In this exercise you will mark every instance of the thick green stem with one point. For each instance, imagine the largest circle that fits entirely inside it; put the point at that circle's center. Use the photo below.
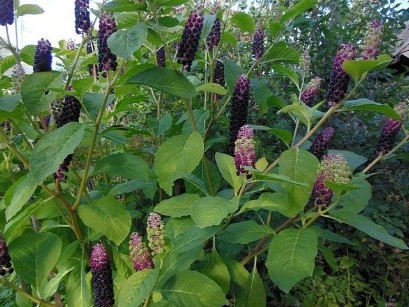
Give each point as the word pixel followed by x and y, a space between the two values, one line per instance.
pixel 188 106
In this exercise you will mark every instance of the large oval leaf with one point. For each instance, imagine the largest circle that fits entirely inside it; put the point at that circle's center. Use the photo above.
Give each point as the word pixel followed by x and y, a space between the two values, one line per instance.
pixel 124 43
pixel 209 210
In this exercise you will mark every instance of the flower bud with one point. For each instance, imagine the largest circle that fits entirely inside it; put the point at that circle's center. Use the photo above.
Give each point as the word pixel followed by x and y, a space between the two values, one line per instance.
pixel 140 255
pixel 321 143
pixel 102 282
pixel 6 12
pixel 82 21
pixel 244 151
pixel 42 56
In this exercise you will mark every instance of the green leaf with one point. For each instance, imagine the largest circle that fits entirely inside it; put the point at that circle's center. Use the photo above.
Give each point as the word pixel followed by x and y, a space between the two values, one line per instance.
pixel 177 206
pixel 166 80
pixel 259 176
pixel 357 68
pixel 253 293
pixel 227 168
pixel 331 236
pixel 270 201
pixel 19 194
pixel 244 232
pixel 238 274
pixel 28 9
pixel 217 270
pixel 291 257
pixel 275 28
pixel 207 25
pixel 92 103
pixel 123 165
pixel 192 238
pixel 300 166
pixel 122 6
pixel 297 9
pixel 108 217
pixel 288 72
pixel 137 288
pixel 53 283
pixel 231 72
pixel 133 185
pixel 367 105
pixel 280 52
pixel 210 210
pixel 212 88
pixel 356 200
pixel 244 22
pixel 228 39
pixel 168 22
pixel 9 102
pixel 177 157
pixel 35 91
pixel 262 92
pixel 78 292
pixel 365 225
pixel 53 147
pixel 191 288
pixel 124 43
pixel 6 63
pixel 35 255
pixel 284 135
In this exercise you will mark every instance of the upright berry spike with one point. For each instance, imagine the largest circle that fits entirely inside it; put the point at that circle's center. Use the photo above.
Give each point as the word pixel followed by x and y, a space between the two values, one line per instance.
pixel 372 41
pixel 5 259
pixel 257 49
pixel 390 130
pixel 213 39
pixel 319 146
pixel 106 59
pixel 218 76
pixel 102 282
pixel 190 39
pixel 305 63
pixel 42 56
pixel 244 150
pixel 238 110
pixel 161 57
pixel 140 255
pixel 338 84
pixel 309 94
pixel 156 233
pixel 17 77
pixel 82 21
pixel 6 12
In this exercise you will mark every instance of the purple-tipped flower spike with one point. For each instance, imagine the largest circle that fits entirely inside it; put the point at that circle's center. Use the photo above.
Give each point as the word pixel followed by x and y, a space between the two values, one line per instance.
pixel 42 57
pixel 213 39
pixel 257 49
pixel 309 94
pixel 156 233
pixel 6 12
pixel 140 255
pixel 238 110
pixel 244 151
pixel 372 41
pixel 5 260
pixel 190 39
pixel 321 143
pixel 332 168
pixel 82 21
pixel 102 282
pixel 390 130
pixel 338 84
pixel 106 59
pixel 161 57
pixel 17 77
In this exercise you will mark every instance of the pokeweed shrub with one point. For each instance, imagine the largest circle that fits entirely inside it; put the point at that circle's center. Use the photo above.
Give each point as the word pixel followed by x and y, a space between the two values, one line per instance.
pixel 201 156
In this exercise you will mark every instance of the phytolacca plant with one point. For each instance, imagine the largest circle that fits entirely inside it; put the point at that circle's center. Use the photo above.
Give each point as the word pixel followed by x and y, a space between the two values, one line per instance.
pixel 82 21
pixel 43 57
pixel 102 282
pixel 106 59
pixel 6 12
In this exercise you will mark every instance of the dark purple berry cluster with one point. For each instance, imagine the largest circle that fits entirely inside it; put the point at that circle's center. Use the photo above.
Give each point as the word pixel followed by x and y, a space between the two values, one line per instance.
pixel 257 49
pixel 102 282
pixel 82 21
pixel 66 110
pixel 309 94
pixel 213 39
pixel 218 76
pixel 338 84
pixel 5 260
pixel 106 59
pixel 6 12
pixel 390 130
pixel 42 56
pixel 238 110
pixel 319 146
pixel 161 57
pixel 190 39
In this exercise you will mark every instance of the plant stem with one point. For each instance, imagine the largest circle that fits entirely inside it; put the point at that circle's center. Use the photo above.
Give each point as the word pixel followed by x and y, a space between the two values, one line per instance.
pixel 13 148
pixel 188 106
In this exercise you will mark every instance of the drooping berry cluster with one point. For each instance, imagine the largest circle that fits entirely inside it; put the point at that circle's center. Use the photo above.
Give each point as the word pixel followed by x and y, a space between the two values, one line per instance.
pixel 140 255
pixel 338 84
pixel 390 130
pixel 238 110
pixel 161 57
pixel 6 12
pixel 106 59
pixel 17 77
pixel 42 56
pixel 63 168
pixel 321 143
pixel 156 233
pixel 244 151
pixel 190 39
pixel 372 41
pixel 82 21
pixel 332 168
pixel 5 259
pixel 213 39
pixel 102 282
pixel 257 49
pixel 309 94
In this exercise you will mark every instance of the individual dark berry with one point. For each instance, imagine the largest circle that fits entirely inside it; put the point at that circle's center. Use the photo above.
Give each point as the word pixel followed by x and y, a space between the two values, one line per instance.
pixel 238 110
pixel 309 94
pixel 390 130
pixel 257 49
pixel 161 57
pixel 6 12
pixel 102 282
pixel 213 39
pixel 319 146
pixel 5 259
pixel 190 39
pixel 244 150
pixel 140 255
pixel 338 84
pixel 106 59
pixel 82 21
pixel 42 56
